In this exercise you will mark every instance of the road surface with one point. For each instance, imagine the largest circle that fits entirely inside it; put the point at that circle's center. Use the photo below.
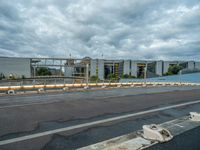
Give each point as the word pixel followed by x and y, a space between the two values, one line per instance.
pixel 71 120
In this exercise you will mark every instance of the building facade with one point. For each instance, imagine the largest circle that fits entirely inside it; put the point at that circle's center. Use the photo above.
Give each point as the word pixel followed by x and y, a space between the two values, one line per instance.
pixel 16 67
pixel 100 68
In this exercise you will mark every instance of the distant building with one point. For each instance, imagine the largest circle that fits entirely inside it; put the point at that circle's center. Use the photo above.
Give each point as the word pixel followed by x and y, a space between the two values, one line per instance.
pixel 100 68
pixel 17 67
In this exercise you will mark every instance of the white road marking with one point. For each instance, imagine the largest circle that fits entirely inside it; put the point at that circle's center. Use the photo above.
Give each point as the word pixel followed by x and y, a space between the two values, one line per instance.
pixel 46 97
pixel 45 133
pixel 178 125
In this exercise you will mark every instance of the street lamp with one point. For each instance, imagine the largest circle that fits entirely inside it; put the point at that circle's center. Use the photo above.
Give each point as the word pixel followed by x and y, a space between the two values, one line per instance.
pixel 145 73
pixel 87 74
pixel 180 73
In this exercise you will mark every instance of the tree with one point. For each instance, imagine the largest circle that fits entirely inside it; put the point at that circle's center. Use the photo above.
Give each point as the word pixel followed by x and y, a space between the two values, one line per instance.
pixel 23 77
pixel 172 70
pixel 2 76
pixel 43 72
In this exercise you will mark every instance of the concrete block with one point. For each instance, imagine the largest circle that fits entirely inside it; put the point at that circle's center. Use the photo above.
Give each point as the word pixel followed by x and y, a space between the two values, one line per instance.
pixel 10 92
pixel 157 133
pixel 194 116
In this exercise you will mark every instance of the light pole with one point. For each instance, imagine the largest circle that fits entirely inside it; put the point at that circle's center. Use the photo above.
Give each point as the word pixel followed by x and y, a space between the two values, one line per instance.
pixel 34 71
pixel 180 73
pixel 145 74
pixel 87 74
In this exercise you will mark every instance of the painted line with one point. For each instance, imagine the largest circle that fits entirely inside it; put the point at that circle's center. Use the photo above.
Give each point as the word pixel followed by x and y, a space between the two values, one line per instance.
pixel 50 132
pixel 46 97
pixel 178 125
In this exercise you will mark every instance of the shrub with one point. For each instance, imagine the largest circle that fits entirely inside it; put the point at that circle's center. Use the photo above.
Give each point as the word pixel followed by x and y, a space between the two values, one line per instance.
pixel 43 72
pixel 94 78
pixel 2 76
pixel 172 70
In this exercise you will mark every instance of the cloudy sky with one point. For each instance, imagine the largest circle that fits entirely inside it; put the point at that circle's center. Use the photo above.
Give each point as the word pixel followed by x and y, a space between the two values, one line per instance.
pixel 123 29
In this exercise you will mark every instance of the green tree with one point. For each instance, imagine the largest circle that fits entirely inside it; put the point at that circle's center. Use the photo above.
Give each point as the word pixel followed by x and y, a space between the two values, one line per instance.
pixel 172 70
pixel 43 72
pixel 2 76
pixel 23 77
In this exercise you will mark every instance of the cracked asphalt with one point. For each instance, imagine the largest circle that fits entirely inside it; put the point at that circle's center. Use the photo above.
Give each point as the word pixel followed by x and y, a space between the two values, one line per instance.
pixel 22 115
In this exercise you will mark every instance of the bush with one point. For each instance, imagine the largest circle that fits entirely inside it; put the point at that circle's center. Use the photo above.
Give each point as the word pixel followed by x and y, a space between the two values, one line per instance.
pixel 173 70
pixel 131 77
pixel 23 77
pixel 112 77
pixel 2 76
pixel 126 76
pixel 94 78
pixel 43 72
pixel 12 77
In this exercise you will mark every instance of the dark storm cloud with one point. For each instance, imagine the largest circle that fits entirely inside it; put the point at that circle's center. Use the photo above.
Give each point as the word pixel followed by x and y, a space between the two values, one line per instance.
pixel 130 29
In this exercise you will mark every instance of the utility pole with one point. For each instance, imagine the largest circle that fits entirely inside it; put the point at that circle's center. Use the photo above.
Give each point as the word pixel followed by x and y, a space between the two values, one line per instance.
pixel 87 74
pixel 180 73
pixel 34 71
pixel 145 74
pixel 70 56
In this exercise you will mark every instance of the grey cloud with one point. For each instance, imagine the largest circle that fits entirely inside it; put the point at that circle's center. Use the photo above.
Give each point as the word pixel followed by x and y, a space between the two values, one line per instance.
pixel 129 29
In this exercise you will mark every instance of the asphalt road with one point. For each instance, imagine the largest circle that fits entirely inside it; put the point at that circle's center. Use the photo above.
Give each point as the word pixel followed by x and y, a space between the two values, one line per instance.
pixel 30 115
pixel 186 141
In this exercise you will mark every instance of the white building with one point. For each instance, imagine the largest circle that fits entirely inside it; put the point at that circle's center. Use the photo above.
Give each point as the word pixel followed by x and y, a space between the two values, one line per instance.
pixel 18 67
pixel 97 67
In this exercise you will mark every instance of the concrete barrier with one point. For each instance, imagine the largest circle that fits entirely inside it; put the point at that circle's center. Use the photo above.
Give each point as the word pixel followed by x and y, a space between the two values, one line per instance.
pixel 65 88
pixel 194 116
pixel 86 87
pixel 135 84
pixel 41 90
pixel 10 92
pixel 120 85
pixel 103 87
pixel 149 136
pixel 157 133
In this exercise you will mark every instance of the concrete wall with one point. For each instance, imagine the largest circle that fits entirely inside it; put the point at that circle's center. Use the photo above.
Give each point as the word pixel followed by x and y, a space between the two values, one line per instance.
pixel 191 65
pixel 15 66
pixel 126 69
pixel 165 66
pixel 134 68
pixel 101 69
pixel 159 68
pixel 69 71
pixel 93 67
pixel 197 65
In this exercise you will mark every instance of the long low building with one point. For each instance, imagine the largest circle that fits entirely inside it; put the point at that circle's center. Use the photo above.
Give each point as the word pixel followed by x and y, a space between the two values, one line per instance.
pixel 136 68
pixel 100 68
pixel 17 67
